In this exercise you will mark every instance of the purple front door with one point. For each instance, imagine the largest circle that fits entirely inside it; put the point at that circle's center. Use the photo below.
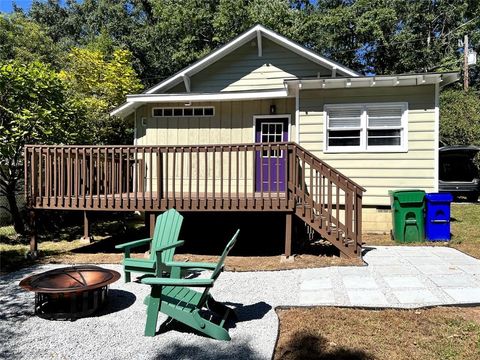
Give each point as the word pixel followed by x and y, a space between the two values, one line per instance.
pixel 270 165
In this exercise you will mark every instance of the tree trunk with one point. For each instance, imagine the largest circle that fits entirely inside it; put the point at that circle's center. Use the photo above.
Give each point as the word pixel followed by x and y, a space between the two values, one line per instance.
pixel 18 223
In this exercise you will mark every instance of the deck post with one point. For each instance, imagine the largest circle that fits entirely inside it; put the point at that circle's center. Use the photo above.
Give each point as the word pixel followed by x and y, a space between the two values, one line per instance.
pixel 33 253
pixel 86 228
pixel 288 234
pixel 150 218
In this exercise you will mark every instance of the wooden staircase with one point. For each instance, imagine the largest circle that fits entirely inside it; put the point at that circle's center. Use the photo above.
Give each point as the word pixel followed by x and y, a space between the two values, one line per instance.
pixel 327 201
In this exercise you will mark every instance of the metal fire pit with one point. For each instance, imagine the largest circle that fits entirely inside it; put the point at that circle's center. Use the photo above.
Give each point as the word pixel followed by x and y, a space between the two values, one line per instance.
pixel 70 293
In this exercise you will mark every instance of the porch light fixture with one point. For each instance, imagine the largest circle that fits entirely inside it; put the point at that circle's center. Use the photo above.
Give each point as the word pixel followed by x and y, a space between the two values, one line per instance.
pixel 144 121
pixel 273 109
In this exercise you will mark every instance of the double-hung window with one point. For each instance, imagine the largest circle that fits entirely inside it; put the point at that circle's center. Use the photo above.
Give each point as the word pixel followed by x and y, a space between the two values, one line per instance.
pixel 380 127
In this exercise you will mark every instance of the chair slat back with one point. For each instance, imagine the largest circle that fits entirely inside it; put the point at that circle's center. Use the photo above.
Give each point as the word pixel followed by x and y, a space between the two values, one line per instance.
pixel 167 230
pixel 221 261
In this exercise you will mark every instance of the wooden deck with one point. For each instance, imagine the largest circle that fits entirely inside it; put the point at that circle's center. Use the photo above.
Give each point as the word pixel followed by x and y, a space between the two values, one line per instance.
pixel 273 177
pixel 150 201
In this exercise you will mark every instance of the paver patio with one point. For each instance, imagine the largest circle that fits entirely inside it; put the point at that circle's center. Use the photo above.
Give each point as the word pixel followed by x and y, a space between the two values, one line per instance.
pixel 396 277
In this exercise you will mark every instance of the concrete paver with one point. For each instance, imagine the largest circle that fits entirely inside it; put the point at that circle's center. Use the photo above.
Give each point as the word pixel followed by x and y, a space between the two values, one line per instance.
pixel 324 297
pixel 415 296
pixel 396 282
pixel 465 295
pixel 403 277
pixel 370 298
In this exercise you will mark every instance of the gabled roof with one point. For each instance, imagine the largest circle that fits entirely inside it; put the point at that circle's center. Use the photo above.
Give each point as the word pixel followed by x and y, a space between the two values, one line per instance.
pixel 241 40
pixel 255 32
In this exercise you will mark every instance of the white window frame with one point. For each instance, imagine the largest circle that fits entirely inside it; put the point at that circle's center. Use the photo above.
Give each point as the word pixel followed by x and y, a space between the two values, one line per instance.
pixel 363 147
pixel 183 114
pixel 273 150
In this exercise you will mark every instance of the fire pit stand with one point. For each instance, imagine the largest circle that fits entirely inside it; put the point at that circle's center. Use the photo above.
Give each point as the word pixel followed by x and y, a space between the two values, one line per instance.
pixel 70 293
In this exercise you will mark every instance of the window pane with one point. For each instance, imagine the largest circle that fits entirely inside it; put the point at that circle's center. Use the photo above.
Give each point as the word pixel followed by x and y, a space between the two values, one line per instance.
pixel 167 112
pixel 177 112
pixel 188 112
pixel 344 117
pixel 208 111
pixel 157 112
pixel 383 117
pixel 198 111
pixel 384 137
pixel 344 138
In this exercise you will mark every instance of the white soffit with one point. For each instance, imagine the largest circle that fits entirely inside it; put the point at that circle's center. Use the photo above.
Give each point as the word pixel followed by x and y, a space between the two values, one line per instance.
pixel 224 96
pixel 375 81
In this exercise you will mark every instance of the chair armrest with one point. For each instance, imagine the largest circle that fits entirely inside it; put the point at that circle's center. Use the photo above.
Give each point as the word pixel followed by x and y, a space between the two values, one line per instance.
pixel 178 282
pixel 132 244
pixel 170 246
pixel 191 265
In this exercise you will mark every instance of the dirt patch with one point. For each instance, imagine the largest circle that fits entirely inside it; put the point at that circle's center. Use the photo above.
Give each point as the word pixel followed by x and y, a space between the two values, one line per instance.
pixel 233 263
pixel 335 333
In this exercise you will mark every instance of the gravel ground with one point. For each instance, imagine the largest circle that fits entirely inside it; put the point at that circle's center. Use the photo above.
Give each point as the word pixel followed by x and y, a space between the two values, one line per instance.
pixel 117 332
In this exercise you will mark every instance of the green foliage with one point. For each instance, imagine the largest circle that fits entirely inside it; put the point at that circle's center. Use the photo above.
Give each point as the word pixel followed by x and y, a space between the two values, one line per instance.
pixel 460 117
pixel 26 41
pixel 34 108
pixel 97 84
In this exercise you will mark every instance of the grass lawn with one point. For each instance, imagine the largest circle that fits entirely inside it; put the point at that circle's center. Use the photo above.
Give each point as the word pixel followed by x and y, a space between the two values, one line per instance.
pixel 332 333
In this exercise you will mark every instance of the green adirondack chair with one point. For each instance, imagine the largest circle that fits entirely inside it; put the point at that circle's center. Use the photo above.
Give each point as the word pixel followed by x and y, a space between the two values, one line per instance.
pixel 163 244
pixel 175 298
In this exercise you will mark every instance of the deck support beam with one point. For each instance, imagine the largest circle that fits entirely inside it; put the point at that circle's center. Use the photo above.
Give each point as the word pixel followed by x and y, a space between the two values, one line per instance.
pixel 150 218
pixel 288 234
pixel 86 228
pixel 33 253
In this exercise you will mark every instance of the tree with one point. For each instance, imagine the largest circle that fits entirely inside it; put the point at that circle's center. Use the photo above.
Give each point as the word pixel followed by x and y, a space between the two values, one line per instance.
pixel 34 108
pixel 460 117
pixel 26 41
pixel 96 84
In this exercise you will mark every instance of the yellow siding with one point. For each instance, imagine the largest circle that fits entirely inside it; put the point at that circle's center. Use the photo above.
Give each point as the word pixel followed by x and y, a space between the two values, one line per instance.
pixel 244 70
pixel 377 172
pixel 232 124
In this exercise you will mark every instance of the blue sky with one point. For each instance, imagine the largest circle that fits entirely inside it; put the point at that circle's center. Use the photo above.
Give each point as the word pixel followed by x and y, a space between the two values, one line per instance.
pixel 7 5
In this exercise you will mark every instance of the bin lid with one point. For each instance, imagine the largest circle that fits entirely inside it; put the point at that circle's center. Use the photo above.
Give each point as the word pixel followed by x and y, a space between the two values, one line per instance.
pixel 409 196
pixel 439 197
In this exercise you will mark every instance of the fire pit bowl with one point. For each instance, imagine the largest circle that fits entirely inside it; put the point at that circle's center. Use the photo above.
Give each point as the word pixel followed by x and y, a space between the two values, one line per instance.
pixel 71 292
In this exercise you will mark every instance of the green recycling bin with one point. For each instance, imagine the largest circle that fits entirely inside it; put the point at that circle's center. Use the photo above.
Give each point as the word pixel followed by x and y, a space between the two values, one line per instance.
pixel 408 223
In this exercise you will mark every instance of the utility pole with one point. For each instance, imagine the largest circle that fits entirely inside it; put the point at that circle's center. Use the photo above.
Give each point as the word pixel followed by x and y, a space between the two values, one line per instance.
pixel 465 63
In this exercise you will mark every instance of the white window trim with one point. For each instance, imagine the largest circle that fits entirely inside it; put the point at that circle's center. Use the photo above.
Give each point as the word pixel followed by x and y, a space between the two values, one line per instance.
pixel 363 148
pixel 279 116
pixel 183 107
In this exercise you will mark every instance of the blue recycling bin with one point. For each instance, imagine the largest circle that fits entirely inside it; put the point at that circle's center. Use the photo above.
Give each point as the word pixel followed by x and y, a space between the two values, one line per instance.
pixel 437 217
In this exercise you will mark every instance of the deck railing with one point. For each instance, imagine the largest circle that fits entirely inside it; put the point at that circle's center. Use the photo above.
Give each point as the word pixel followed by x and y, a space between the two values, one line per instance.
pixel 239 177
pixel 156 177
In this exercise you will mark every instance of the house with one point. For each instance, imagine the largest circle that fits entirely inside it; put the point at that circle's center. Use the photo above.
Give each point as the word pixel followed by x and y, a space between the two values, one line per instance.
pixel 262 124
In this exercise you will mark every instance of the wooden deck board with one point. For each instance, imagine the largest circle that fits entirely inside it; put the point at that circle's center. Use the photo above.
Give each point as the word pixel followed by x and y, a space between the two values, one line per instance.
pixel 135 202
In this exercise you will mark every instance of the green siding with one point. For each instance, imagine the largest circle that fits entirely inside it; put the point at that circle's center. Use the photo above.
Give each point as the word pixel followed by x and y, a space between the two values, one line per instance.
pixel 244 70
